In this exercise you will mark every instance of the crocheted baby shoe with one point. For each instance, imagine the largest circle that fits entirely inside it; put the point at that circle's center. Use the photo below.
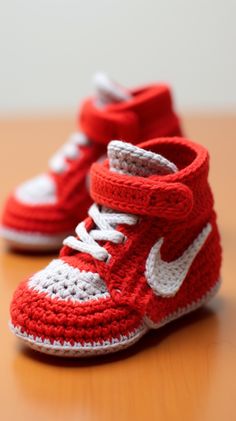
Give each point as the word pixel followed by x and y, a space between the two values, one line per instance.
pixel 42 211
pixel 148 253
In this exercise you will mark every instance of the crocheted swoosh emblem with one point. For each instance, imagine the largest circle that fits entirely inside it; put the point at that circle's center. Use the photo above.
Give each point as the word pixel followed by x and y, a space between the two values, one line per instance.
pixel 166 278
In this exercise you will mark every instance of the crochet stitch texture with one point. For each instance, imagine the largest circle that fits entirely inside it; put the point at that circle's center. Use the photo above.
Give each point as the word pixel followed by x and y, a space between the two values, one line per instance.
pixel 117 280
pixel 31 223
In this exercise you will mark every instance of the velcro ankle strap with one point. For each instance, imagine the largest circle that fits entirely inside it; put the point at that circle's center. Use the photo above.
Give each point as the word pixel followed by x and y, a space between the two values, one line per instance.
pixel 138 195
pixel 103 126
pixel 149 112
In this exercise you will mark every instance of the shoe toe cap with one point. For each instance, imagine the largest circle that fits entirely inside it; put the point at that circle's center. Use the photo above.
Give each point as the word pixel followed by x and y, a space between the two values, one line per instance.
pixel 40 190
pixel 64 308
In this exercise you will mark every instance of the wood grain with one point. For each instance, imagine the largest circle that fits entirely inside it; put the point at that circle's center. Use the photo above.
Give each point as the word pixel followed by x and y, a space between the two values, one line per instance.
pixel 185 371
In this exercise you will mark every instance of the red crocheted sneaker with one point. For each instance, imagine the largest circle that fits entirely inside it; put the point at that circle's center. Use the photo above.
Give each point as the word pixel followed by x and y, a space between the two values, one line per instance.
pixel 42 211
pixel 148 253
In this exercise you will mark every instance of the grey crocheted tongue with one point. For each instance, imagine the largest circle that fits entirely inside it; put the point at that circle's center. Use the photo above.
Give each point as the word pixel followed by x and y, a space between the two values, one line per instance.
pixel 125 158
pixel 108 92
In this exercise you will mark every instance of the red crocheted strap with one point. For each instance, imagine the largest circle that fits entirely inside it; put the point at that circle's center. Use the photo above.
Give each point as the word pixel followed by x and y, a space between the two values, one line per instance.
pixel 149 113
pixel 102 126
pixel 140 196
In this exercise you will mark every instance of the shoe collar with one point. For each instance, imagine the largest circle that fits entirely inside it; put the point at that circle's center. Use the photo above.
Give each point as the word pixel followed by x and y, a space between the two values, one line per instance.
pixel 128 119
pixel 169 196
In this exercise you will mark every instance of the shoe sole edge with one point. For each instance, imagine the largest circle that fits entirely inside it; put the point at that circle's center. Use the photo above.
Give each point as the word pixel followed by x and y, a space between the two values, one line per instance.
pixel 79 350
pixel 23 240
pixel 87 350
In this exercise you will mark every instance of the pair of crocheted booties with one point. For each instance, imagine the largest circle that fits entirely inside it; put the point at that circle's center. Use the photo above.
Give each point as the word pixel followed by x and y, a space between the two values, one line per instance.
pixel 149 250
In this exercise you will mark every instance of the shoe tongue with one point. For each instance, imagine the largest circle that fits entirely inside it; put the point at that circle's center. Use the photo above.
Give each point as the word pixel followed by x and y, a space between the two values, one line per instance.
pixel 109 92
pixel 128 159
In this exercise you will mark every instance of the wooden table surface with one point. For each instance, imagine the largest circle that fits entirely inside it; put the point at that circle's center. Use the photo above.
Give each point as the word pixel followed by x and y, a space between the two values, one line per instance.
pixel 185 371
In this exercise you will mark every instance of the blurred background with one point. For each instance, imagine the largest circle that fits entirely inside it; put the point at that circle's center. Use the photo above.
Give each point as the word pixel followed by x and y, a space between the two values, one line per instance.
pixel 50 50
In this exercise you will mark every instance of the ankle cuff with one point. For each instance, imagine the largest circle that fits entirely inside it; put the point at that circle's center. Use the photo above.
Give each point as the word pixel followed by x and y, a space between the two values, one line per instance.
pixel 102 126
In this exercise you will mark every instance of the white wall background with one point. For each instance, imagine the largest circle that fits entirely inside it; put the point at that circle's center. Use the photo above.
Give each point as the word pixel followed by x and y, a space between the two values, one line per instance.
pixel 49 50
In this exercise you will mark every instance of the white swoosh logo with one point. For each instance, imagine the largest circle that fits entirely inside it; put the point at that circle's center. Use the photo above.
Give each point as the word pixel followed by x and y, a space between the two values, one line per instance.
pixel 166 278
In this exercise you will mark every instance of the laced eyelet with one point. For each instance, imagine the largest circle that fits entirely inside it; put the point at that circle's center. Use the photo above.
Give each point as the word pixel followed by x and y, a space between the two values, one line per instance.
pixel 108 258
pixel 70 151
pixel 124 239
pixel 88 242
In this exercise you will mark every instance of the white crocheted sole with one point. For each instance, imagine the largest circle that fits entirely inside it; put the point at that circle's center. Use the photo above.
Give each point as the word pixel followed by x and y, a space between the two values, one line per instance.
pixel 22 240
pixel 88 349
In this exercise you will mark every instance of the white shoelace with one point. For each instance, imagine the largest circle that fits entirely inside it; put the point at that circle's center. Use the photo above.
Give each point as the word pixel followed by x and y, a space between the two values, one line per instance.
pixel 105 221
pixel 70 150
